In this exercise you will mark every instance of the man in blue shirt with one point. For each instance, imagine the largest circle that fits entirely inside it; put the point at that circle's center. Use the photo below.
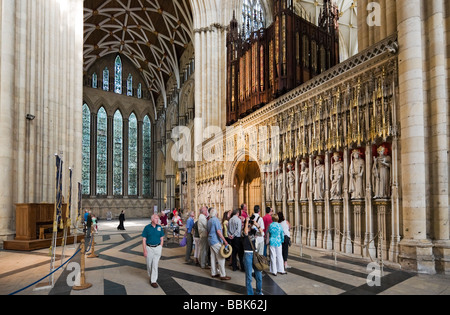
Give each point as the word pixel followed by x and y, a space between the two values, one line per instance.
pixel 152 243
pixel 189 236
pixel 215 239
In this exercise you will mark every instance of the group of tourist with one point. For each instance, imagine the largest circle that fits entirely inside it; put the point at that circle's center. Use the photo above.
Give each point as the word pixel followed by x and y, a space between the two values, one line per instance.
pixel 208 237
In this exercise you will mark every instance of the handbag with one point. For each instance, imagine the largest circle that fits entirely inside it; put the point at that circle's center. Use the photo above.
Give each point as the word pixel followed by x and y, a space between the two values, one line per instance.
pixel 183 242
pixel 260 262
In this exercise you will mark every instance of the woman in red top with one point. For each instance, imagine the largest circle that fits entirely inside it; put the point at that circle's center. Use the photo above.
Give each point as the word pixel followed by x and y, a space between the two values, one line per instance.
pixel 267 220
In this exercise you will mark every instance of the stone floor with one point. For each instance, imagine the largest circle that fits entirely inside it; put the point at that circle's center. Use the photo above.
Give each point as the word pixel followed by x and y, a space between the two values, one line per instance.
pixel 120 269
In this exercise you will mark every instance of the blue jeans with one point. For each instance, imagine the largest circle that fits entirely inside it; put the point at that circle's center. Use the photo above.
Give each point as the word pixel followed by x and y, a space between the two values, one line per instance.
pixel 248 261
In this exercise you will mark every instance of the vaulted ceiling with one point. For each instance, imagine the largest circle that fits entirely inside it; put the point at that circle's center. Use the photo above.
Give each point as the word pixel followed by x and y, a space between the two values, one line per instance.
pixel 153 34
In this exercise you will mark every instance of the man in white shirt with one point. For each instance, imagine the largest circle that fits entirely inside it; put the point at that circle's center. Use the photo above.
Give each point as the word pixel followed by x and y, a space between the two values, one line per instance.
pixel 203 232
pixel 260 234
pixel 234 234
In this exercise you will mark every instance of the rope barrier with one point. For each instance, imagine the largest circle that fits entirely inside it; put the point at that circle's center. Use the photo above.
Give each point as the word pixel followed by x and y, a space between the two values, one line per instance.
pixel 34 283
pixel 335 252
pixel 51 273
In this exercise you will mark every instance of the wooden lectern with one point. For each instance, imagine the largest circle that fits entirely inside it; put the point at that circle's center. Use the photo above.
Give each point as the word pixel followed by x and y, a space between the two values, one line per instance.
pixel 34 227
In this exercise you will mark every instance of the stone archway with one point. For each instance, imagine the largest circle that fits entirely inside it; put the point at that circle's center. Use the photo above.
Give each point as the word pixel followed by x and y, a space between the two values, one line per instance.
pixel 245 183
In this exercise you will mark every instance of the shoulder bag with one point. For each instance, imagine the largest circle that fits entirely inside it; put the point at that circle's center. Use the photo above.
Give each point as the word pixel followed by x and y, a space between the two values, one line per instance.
pixel 260 262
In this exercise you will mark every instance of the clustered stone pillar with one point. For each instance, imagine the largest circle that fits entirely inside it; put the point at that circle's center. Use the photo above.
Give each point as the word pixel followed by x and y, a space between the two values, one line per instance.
pixel 41 69
pixel 424 115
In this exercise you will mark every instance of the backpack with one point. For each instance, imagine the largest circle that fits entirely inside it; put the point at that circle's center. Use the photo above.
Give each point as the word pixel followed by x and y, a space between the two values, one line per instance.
pixel 195 228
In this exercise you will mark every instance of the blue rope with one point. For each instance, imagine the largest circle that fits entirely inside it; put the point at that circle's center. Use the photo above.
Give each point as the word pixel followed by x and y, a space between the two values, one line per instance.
pixel 79 249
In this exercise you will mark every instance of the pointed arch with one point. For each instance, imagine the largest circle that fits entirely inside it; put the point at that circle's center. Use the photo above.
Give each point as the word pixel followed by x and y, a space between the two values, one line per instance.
pixel 117 153
pixel 86 150
pixel 133 155
pixel 118 75
pixel 102 152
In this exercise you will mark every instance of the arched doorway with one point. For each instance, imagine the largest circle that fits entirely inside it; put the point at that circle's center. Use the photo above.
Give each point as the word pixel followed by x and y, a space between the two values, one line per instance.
pixel 247 185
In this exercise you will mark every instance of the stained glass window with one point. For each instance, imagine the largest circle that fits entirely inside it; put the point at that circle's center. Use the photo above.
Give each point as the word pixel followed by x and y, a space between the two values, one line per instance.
pixel 118 154
pixel 118 75
pixel 106 79
pixel 253 17
pixel 132 155
pixel 139 91
pixel 86 151
pixel 130 85
pixel 102 151
pixel 94 80
pixel 147 154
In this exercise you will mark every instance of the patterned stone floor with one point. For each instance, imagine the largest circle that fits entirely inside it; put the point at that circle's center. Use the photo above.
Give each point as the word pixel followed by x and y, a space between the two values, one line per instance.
pixel 120 270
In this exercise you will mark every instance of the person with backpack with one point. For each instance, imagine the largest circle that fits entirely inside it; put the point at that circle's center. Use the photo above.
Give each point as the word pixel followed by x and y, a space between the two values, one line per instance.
pixel 196 243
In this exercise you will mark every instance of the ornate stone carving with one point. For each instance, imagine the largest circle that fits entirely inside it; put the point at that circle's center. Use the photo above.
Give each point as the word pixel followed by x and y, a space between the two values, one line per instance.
pixel 381 174
pixel 336 177
pixel 269 188
pixel 357 171
pixel 319 179
pixel 304 180
pixel 279 185
pixel 291 182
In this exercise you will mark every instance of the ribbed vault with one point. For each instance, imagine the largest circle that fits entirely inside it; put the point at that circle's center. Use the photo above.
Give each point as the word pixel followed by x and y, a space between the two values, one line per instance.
pixel 153 34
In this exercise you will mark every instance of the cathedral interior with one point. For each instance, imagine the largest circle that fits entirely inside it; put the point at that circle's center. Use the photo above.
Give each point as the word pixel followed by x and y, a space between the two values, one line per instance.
pixel 334 112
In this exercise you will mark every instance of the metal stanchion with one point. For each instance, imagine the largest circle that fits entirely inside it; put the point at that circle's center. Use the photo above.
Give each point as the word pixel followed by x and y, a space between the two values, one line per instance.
pixel 83 285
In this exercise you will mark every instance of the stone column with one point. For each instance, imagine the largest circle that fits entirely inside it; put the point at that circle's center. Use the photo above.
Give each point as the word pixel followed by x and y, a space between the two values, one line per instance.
pixel 384 226
pixel 328 222
pixel 438 118
pixel 312 216
pixel 416 248
pixel 7 53
pixel 297 206
pixel 305 222
pixel 319 211
pixel 337 211
pixel 346 238
pixel 358 225
pixel 369 212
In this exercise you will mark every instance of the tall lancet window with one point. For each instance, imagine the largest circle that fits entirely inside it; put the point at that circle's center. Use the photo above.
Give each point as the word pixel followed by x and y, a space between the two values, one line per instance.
pixel 102 151
pixel 118 154
pixel 106 79
pixel 118 75
pixel 253 17
pixel 86 150
pixel 130 85
pixel 94 80
pixel 147 157
pixel 139 91
pixel 132 155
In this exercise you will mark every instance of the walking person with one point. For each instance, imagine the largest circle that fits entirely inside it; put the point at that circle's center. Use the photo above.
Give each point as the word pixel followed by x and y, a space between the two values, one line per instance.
pixel 286 226
pixel 216 239
pixel 251 229
pixel 189 236
pixel 234 234
pixel 276 237
pixel 152 243
pixel 121 221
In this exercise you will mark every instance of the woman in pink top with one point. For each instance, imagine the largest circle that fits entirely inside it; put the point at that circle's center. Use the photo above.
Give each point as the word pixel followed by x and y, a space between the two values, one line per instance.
pixel 267 220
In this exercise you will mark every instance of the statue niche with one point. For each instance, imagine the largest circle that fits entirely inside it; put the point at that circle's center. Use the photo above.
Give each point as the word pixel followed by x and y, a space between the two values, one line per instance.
pixel 381 174
pixel 336 177
pixel 356 172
